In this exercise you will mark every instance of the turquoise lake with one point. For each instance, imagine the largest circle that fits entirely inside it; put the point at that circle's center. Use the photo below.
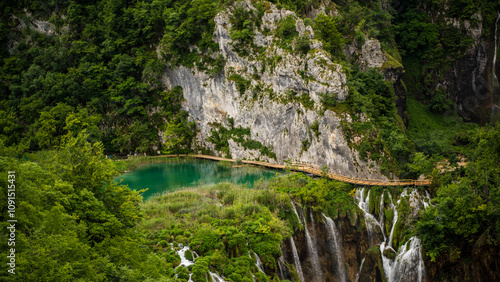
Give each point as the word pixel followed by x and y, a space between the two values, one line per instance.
pixel 171 176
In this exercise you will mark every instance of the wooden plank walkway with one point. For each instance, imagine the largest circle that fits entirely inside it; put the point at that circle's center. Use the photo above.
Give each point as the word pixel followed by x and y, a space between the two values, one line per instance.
pixel 315 170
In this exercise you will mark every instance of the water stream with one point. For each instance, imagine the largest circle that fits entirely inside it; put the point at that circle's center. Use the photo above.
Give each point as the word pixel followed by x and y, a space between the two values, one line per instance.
pixel 296 260
pixel 360 268
pixel 215 277
pixel 315 264
pixel 370 221
pixel 408 264
pixel 337 246
pixel 184 261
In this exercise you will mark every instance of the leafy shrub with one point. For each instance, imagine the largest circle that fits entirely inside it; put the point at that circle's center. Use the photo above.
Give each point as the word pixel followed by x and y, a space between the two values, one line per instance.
pixel 325 28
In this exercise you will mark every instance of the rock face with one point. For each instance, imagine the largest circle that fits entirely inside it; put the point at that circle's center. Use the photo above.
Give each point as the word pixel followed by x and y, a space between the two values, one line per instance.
pixel 269 105
pixel 354 245
pixel 371 55
pixel 470 81
pixel 351 254
pixel 477 262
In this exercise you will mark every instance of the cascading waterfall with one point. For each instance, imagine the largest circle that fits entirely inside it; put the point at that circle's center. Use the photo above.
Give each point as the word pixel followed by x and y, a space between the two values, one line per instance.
pixel 281 261
pixel 381 214
pixel 371 222
pixel 215 277
pixel 423 200
pixel 315 264
pixel 281 268
pixel 258 262
pixel 184 261
pixel 394 220
pixel 296 260
pixel 337 244
pixel 408 264
pixel 297 214
pixel 386 262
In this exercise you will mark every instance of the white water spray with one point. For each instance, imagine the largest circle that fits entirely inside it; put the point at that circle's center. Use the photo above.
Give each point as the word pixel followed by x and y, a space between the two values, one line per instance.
pixel 408 264
pixel 315 264
pixel 184 261
pixel 215 277
pixel 296 260
pixel 371 222
pixel 337 244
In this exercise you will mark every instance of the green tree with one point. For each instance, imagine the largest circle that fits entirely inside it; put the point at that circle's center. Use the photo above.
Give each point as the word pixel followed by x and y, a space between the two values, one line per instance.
pixel 325 28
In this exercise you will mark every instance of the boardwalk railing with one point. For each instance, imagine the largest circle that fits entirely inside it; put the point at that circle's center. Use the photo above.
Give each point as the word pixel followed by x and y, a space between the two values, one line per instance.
pixel 316 170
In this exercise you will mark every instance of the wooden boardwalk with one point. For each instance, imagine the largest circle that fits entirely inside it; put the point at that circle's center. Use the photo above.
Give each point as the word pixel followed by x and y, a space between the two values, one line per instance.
pixel 315 170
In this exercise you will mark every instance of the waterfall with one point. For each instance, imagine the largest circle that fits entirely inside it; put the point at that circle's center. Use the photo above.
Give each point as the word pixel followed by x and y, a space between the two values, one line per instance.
pixel 381 214
pixel 296 260
pixel 394 219
pixel 408 264
pixel 495 78
pixel 371 222
pixel 297 214
pixel 316 266
pixel 337 244
pixel 360 268
pixel 216 277
pixel 184 261
pixel 426 201
pixel 258 262
pixel 281 268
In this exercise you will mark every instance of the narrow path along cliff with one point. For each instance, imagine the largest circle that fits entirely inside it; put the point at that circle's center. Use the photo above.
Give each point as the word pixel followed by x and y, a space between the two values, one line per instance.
pixel 307 168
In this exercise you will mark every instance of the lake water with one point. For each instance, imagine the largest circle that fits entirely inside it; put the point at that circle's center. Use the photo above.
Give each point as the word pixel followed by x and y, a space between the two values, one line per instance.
pixel 171 176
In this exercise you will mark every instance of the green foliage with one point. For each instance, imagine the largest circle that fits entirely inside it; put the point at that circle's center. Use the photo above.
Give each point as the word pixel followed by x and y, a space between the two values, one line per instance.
pixel 241 83
pixel 380 136
pixel 420 165
pixel 189 24
pixel 100 69
pixel 361 20
pixel 220 135
pixel 328 100
pixel 434 134
pixel 73 222
pixel 439 104
pixel 223 235
pixel 315 128
pixel 241 32
pixel 468 209
pixel 416 32
pixel 325 28
pixel 302 45
pixel 286 32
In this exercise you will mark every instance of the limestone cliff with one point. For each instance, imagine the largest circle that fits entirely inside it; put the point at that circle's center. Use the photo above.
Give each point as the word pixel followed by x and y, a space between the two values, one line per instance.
pixel 276 96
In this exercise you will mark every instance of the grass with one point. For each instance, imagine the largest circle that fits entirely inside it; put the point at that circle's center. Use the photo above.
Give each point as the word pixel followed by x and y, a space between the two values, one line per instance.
pixel 433 133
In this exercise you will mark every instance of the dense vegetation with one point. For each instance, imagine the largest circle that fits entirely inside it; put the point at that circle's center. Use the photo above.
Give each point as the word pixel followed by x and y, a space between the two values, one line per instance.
pixel 75 224
pixel 88 82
